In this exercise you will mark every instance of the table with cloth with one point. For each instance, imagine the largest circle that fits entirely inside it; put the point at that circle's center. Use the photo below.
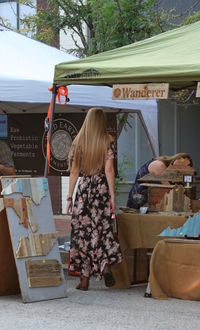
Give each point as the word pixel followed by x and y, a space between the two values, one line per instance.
pixel 140 231
pixel 175 269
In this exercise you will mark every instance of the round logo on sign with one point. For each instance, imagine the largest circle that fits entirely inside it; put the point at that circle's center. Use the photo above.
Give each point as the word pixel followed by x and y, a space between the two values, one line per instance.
pixel 117 92
pixel 63 133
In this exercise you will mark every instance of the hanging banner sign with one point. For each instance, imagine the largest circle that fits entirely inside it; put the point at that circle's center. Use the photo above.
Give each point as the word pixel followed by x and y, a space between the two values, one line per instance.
pixel 198 90
pixel 140 91
pixel 27 141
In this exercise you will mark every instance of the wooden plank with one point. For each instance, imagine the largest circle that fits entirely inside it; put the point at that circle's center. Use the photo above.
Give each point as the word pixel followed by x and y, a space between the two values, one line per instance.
pixel 179 199
pixel 34 188
pixel 43 273
pixel 180 167
pixel 34 226
pixel 36 245
pixel 169 177
pixel 37 268
pixel 173 173
pixel 157 185
pixel 39 282
pixel 174 200
pixel 23 209
pixel 19 206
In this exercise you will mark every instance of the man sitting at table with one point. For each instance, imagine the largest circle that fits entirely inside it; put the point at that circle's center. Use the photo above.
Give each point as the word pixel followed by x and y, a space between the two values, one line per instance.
pixel 138 194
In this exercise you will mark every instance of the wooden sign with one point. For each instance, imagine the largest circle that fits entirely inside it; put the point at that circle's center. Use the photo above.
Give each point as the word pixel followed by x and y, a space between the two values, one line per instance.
pixel 198 90
pixel 43 273
pixel 35 264
pixel 140 91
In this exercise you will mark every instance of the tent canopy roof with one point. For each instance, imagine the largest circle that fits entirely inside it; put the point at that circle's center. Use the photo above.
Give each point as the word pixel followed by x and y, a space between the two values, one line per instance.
pixel 27 67
pixel 171 57
pixel 27 71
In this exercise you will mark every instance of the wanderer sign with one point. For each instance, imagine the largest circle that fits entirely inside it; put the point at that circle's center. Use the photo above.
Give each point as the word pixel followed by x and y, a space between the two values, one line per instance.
pixel 198 90
pixel 140 91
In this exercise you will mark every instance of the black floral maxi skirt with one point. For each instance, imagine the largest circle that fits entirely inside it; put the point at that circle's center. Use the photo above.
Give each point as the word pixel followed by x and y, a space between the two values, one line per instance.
pixel 92 242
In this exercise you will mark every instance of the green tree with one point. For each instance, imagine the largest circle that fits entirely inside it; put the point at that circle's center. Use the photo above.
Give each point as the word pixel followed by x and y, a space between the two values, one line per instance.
pixel 193 18
pixel 100 24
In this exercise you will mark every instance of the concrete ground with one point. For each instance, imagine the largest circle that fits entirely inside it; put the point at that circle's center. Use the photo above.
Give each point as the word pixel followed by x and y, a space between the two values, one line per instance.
pixel 99 308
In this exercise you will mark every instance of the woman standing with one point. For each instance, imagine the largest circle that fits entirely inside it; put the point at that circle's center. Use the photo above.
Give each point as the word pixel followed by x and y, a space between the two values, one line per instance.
pixel 93 248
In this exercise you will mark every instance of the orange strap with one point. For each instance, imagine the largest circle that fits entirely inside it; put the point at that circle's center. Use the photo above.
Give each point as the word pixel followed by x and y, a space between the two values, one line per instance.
pixel 61 91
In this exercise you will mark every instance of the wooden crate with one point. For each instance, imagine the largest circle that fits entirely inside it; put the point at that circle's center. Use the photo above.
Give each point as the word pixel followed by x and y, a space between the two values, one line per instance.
pixel 155 194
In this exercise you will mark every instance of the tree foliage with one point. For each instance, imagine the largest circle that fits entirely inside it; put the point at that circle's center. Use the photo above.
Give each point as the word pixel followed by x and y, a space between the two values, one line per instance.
pixel 100 25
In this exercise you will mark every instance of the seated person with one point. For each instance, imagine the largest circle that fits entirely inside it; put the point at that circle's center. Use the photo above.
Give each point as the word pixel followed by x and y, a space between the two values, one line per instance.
pixel 138 194
pixel 6 161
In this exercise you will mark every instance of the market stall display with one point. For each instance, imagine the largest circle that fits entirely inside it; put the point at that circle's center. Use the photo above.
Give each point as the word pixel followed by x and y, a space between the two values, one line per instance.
pixel 34 266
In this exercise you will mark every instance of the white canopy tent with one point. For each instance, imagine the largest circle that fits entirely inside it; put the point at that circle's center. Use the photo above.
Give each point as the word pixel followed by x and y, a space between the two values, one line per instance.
pixel 27 69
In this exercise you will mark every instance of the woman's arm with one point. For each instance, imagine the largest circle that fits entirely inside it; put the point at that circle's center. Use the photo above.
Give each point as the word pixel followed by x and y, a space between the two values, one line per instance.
pixel 7 170
pixel 110 176
pixel 74 174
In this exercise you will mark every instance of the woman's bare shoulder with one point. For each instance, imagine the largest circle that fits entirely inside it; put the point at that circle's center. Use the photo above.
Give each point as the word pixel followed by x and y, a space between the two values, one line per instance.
pixel 157 167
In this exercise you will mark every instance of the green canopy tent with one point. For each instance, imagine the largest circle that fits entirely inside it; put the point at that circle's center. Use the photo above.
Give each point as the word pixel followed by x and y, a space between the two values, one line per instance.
pixel 171 57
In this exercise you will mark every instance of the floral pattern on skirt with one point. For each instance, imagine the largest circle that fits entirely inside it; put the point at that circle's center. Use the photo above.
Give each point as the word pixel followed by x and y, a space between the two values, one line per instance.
pixel 92 241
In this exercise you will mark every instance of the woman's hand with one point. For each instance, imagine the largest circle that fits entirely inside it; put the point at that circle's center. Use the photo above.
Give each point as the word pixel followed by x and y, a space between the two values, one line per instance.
pixel 112 204
pixel 69 207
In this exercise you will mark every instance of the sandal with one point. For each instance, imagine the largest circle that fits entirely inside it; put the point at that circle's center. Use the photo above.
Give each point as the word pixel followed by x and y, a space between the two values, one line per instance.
pixel 108 277
pixel 84 283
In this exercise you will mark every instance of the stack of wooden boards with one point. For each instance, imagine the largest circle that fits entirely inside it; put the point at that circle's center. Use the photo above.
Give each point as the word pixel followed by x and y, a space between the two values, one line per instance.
pixel 169 192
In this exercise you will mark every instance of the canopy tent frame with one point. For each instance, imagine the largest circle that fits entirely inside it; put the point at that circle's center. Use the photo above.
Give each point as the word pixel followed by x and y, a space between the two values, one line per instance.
pixel 53 105
pixel 26 78
pixel 169 57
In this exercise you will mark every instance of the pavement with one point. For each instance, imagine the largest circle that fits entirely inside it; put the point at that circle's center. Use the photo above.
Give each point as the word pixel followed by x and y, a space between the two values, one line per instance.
pixel 99 308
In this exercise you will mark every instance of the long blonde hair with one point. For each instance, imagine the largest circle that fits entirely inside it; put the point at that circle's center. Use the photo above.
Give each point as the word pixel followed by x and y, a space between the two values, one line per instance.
pixel 167 160
pixel 89 148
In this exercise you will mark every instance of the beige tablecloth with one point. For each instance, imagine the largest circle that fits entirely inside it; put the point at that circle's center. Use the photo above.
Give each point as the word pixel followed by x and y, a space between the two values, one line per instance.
pixel 175 270
pixel 140 231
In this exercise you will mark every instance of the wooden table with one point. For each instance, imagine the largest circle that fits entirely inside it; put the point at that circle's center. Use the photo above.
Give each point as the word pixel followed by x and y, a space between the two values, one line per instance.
pixel 140 231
